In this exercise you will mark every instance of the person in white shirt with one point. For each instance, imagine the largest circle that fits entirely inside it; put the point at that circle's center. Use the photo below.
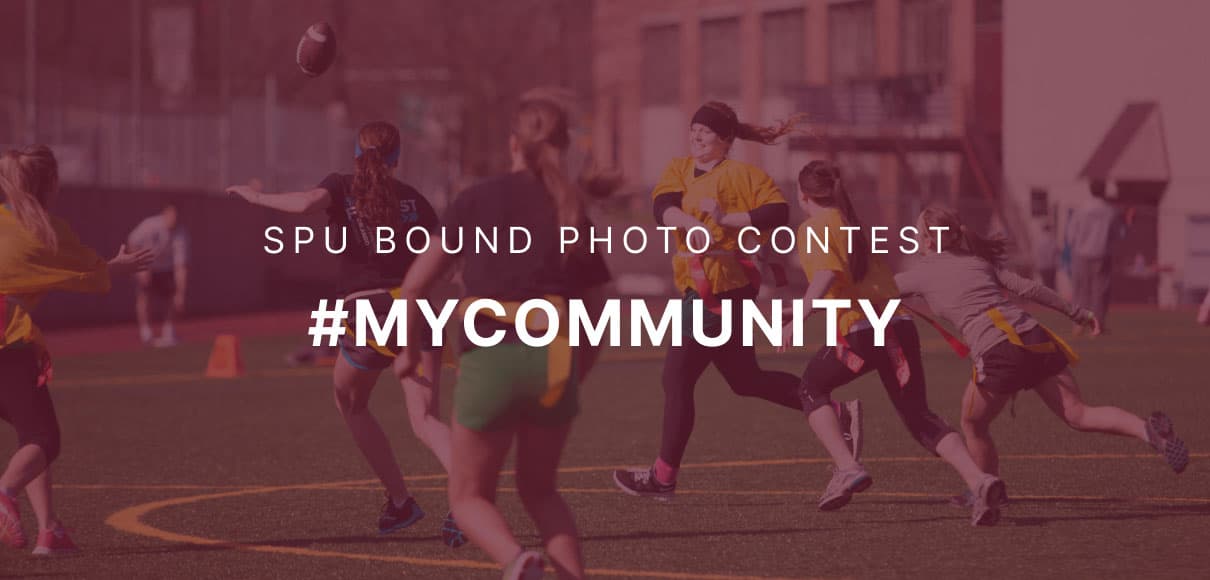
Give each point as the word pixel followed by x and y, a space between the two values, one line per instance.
pixel 1094 226
pixel 166 279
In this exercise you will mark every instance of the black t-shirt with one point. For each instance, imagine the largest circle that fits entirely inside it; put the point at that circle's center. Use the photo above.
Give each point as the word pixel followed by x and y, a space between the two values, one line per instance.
pixel 361 267
pixel 519 200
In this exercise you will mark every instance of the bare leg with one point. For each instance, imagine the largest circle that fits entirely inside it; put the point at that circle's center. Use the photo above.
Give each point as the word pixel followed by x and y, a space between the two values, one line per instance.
pixel 423 401
pixel 352 394
pixel 1062 394
pixel 26 465
pixel 826 425
pixel 979 408
pixel 477 459
pixel 538 453
pixel 951 449
pixel 39 494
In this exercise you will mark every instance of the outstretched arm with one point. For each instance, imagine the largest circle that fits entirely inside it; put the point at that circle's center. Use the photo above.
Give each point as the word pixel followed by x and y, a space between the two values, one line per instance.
pixel 1035 292
pixel 310 201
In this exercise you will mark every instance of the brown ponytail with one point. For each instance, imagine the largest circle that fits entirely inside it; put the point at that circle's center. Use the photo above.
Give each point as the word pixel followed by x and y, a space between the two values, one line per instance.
pixel 958 238
pixel 820 181
pixel 378 146
pixel 540 127
pixel 27 180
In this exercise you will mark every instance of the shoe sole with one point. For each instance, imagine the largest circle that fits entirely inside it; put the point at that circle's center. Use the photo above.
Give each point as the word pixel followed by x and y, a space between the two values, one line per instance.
pixel 401 525
pixel 1174 450
pixel 997 494
pixel 656 495
pixel 861 484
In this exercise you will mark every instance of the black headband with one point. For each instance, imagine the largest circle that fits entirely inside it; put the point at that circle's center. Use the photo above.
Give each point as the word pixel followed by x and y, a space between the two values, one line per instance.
pixel 722 125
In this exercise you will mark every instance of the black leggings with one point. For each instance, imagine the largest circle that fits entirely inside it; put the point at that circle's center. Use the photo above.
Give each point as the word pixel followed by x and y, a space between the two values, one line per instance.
pixel 685 364
pixel 825 373
pixel 25 405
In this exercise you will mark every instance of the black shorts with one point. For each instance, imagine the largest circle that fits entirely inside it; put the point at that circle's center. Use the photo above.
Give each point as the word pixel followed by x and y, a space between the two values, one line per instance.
pixel 24 404
pixel 162 284
pixel 373 356
pixel 1007 368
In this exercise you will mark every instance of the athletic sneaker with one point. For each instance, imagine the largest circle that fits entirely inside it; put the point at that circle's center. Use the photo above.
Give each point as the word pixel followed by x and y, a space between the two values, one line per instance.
pixel 528 565
pixel 850 426
pixel 986 511
pixel 642 482
pixel 55 543
pixel 966 500
pixel 11 533
pixel 395 518
pixel 451 534
pixel 843 485
pixel 1162 435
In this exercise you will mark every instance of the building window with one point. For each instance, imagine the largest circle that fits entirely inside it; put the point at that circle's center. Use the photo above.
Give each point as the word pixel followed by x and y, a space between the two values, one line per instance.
pixel 661 65
pixel 784 50
pixel 720 67
pixel 989 11
pixel 925 37
pixel 852 41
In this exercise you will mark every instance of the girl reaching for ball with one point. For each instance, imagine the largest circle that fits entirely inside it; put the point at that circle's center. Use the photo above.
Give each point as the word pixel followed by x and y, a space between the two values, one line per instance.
pixel 368 199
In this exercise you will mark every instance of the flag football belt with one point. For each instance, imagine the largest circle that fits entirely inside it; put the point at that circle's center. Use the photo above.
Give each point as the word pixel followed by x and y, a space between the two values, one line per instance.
pixel 852 361
pixel 448 358
pixel 701 284
pixel 903 372
pixel 1056 344
pixel 558 354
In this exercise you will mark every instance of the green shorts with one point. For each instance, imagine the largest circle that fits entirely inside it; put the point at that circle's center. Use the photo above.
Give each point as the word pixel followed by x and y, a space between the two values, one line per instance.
pixel 501 385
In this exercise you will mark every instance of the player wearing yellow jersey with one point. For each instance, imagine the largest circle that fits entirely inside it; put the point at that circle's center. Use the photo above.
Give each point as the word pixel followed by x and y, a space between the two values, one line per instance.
pixel 38 254
pixel 709 192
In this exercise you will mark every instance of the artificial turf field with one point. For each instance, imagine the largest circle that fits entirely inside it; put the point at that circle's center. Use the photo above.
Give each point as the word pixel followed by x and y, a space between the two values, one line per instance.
pixel 168 475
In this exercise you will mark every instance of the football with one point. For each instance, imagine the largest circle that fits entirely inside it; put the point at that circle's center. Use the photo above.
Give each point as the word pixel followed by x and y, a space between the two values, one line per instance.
pixel 316 49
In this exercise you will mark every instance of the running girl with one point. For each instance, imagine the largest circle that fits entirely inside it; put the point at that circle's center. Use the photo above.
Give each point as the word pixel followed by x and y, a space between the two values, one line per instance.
pixel 963 282
pixel 38 253
pixel 840 274
pixel 709 190
pixel 511 390
pixel 361 203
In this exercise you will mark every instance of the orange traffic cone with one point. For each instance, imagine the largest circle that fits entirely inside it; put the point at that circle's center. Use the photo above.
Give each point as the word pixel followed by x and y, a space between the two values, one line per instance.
pixel 225 361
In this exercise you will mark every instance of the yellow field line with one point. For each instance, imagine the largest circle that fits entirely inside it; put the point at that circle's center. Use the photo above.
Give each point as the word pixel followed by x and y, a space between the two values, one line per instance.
pixel 130 520
pixel 359 483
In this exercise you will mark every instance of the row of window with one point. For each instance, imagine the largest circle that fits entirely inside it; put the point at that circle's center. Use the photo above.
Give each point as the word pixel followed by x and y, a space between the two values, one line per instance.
pixel 852 46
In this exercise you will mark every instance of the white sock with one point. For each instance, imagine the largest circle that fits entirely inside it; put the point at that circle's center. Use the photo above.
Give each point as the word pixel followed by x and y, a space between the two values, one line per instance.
pixel 144 332
pixel 399 503
pixel 168 332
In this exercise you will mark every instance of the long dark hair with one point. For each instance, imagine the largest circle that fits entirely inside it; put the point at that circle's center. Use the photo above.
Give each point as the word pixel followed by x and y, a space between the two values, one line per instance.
pixel 763 134
pixel 820 182
pixel 378 144
pixel 28 178
pixel 960 239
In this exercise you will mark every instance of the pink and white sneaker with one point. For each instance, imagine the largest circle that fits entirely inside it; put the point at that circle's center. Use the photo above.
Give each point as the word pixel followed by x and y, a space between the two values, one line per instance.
pixel 55 542
pixel 11 533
